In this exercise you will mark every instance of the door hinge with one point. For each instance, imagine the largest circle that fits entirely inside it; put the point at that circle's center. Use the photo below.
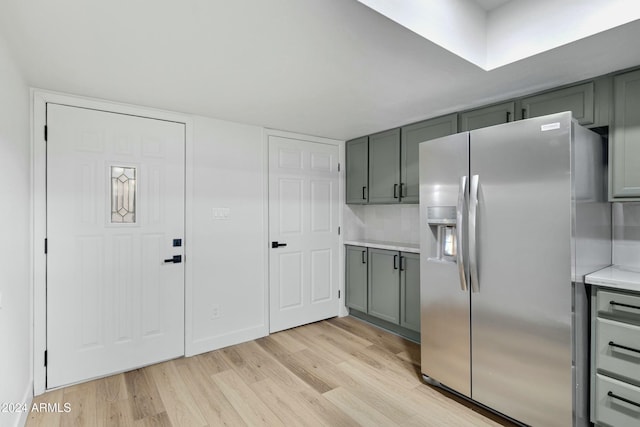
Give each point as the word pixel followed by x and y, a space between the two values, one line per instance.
pixel 46 245
pixel 338 167
pixel 338 231
pixel 338 294
pixel 45 358
pixel 46 133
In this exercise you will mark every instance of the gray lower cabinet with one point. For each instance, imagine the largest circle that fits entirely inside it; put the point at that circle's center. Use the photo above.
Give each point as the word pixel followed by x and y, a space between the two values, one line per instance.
pixel 625 137
pixel 411 136
pixel 384 284
pixel 383 287
pixel 615 358
pixel 410 291
pixel 578 99
pixel 356 277
pixel 357 170
pixel 384 167
pixel 487 116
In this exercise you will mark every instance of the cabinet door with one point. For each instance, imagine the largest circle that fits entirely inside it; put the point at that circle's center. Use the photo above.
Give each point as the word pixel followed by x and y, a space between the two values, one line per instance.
pixel 412 136
pixel 410 291
pixel 356 278
pixel 577 99
pixel 487 116
pixel 357 170
pixel 384 167
pixel 384 285
pixel 625 145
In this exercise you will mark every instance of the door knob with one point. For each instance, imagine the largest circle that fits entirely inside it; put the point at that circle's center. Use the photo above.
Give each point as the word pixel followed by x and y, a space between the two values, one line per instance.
pixel 277 245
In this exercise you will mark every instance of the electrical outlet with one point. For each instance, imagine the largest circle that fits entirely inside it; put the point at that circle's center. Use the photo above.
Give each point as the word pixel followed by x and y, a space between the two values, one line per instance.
pixel 215 311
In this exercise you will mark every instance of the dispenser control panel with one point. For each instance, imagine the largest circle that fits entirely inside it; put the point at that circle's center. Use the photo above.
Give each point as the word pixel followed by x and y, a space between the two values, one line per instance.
pixel 442 222
pixel 441 215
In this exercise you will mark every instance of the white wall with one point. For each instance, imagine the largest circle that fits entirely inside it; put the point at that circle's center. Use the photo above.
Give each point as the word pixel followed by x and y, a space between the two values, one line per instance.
pixel 15 288
pixel 391 223
pixel 227 258
pixel 626 234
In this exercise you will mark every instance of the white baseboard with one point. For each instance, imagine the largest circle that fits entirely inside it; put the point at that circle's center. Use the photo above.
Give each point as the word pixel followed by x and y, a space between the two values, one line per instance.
pixel 21 417
pixel 214 343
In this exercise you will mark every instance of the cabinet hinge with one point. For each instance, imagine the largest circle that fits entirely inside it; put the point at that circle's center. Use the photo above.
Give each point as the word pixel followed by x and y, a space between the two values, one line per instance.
pixel 338 294
pixel 46 133
pixel 45 358
pixel 46 245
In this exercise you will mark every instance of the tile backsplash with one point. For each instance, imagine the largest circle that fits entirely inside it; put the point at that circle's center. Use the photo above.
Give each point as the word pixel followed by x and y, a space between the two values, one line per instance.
pixel 393 223
pixel 626 234
pixel 400 223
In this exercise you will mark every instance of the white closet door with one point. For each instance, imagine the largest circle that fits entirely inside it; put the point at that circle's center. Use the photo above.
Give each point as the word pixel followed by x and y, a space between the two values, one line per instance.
pixel 303 215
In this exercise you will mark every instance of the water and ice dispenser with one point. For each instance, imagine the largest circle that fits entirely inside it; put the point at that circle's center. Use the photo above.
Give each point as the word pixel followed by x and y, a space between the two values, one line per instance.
pixel 442 222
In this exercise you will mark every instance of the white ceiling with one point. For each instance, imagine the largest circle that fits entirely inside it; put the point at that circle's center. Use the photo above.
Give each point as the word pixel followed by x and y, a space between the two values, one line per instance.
pixel 489 5
pixel 332 68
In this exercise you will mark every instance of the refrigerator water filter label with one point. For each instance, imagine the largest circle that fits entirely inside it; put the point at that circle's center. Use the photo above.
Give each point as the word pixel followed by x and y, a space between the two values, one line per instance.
pixel 550 126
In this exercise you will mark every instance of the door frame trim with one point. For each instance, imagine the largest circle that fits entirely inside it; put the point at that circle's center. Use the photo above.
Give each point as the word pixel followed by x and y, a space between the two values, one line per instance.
pixel 342 309
pixel 39 99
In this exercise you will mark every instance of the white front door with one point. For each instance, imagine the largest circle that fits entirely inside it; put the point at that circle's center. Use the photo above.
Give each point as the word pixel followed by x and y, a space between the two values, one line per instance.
pixel 303 232
pixel 115 280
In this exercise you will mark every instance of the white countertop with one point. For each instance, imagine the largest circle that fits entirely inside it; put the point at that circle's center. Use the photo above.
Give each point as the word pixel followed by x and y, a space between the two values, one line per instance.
pixel 379 244
pixel 616 277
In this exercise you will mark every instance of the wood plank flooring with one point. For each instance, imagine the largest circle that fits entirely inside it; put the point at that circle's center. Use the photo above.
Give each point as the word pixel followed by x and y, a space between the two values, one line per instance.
pixel 339 372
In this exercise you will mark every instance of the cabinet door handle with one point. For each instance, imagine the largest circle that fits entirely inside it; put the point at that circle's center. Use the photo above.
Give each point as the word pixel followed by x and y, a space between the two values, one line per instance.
pixel 403 190
pixel 364 257
pixel 403 263
pixel 630 402
pixel 524 113
pixel 395 262
pixel 364 197
pixel 635 307
pixel 624 347
pixel 395 191
pixel 508 116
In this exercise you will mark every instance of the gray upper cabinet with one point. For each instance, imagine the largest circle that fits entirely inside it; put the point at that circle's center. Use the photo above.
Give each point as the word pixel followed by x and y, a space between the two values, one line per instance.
pixel 410 291
pixel 384 167
pixel 412 136
pixel 603 103
pixel 487 116
pixel 357 170
pixel 356 278
pixel 384 280
pixel 577 99
pixel 624 162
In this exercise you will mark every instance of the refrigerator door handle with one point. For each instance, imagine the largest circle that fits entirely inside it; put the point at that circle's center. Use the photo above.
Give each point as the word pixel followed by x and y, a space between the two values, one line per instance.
pixel 462 271
pixel 473 247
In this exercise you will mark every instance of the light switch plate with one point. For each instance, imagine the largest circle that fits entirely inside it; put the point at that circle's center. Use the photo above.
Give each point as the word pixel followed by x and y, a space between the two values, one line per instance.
pixel 221 213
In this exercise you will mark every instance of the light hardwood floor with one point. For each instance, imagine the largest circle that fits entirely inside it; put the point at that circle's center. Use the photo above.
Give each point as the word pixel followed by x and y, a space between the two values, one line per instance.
pixel 339 372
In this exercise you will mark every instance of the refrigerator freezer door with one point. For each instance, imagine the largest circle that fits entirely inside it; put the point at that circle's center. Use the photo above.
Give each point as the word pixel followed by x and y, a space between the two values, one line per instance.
pixel 521 314
pixel 445 332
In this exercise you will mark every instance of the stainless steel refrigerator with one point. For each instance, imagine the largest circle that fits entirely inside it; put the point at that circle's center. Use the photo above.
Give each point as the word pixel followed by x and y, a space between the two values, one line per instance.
pixel 512 217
